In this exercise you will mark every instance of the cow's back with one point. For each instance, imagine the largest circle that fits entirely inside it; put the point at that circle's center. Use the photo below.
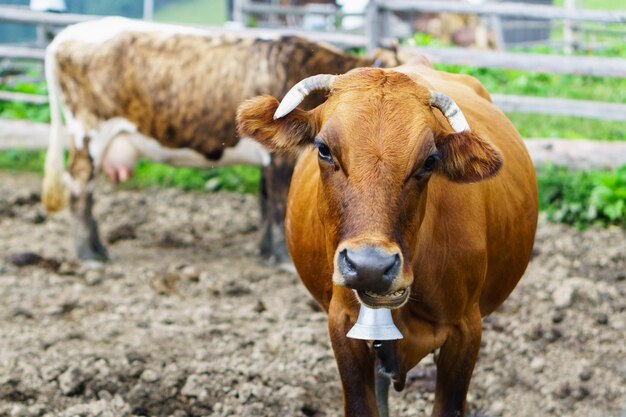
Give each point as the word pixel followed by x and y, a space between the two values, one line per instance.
pixel 183 88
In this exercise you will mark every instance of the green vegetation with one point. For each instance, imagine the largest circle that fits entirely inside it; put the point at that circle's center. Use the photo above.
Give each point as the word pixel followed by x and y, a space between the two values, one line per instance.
pixel 577 87
pixel 19 110
pixel 17 160
pixel 583 198
pixel 564 127
pixel 205 12
pixel 557 86
pixel 597 4
pixel 243 179
pixel 579 198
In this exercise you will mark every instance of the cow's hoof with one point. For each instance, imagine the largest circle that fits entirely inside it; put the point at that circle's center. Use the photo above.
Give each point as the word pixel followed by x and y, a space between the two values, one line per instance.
pixel 98 254
pixel 287 267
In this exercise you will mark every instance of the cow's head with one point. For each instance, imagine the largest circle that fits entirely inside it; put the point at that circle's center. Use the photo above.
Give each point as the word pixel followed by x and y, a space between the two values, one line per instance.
pixel 378 142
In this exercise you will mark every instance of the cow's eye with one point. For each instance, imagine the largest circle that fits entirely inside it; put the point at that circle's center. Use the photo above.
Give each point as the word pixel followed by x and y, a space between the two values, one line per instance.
pixel 430 163
pixel 323 152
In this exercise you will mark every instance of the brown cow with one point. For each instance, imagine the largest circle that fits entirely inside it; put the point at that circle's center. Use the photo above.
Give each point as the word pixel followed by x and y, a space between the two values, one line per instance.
pixel 167 93
pixel 396 209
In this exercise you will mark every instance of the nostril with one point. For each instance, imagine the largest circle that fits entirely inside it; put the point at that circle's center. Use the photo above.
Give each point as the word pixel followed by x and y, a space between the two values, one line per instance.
pixel 346 265
pixel 349 262
pixel 394 263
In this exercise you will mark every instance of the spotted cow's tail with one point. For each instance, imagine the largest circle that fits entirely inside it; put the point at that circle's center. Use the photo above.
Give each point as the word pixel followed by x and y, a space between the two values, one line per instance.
pixel 54 193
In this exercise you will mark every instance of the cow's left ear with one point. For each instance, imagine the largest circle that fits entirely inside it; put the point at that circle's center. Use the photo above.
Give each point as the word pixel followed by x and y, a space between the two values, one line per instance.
pixel 255 120
pixel 467 157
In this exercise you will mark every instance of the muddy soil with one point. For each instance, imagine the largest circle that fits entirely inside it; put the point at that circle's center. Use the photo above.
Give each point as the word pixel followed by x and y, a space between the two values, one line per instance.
pixel 188 321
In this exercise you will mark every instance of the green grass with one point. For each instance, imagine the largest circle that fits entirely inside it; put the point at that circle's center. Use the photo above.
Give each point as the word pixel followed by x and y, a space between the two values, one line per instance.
pixel 19 110
pixel 243 179
pixel 580 198
pixel 583 198
pixel 598 4
pixel 201 12
pixel 565 127
pixel 555 86
pixel 577 87
pixel 18 160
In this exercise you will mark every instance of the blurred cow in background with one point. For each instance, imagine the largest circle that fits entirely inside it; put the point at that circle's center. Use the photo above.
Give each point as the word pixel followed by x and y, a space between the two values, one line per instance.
pixel 463 30
pixel 134 89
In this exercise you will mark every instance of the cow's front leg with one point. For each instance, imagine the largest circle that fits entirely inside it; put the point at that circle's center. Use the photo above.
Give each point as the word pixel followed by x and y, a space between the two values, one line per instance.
pixel 87 239
pixel 355 361
pixel 455 365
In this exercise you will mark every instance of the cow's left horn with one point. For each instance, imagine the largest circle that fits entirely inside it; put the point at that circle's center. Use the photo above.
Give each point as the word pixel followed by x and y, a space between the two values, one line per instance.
pixel 451 110
pixel 299 92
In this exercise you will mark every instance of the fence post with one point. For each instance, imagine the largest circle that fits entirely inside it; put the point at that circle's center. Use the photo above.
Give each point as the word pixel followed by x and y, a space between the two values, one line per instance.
pixel 148 9
pixel 568 29
pixel 373 26
pixel 238 12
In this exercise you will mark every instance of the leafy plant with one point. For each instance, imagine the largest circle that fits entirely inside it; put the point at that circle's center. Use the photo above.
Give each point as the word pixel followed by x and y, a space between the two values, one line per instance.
pixel 20 110
pixel 583 198
pixel 243 179
pixel 20 160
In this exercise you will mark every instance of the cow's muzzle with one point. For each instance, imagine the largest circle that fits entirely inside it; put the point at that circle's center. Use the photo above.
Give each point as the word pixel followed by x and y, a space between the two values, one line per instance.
pixel 373 272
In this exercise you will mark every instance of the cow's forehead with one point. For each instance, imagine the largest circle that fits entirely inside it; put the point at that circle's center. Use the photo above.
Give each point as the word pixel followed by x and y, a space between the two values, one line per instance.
pixel 388 81
pixel 373 98
pixel 376 116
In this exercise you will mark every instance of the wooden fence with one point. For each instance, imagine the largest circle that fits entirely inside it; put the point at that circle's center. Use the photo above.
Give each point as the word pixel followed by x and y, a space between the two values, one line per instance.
pixel 376 35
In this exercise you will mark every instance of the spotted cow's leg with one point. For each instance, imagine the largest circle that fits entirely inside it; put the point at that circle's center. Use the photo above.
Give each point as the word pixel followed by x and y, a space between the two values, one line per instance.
pixel 87 239
pixel 355 361
pixel 455 364
pixel 266 243
pixel 275 183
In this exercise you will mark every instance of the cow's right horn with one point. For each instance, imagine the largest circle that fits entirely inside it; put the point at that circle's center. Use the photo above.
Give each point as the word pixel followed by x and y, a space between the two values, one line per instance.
pixel 451 110
pixel 299 92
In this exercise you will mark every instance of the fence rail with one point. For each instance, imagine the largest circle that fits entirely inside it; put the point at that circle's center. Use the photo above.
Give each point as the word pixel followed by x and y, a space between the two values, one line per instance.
pixel 318 9
pixel 594 66
pixel 23 97
pixel 24 15
pixel 557 64
pixel 561 107
pixel 19 52
pixel 534 11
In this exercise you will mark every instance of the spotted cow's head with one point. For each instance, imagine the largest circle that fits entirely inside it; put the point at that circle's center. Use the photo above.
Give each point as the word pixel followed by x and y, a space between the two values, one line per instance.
pixel 378 142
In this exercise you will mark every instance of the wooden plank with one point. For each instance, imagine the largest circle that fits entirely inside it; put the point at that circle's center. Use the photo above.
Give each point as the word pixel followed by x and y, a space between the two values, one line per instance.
pixel 345 40
pixel 320 9
pixel 559 64
pixel 26 98
pixel 504 9
pixel 25 15
pixel 22 134
pixel 576 154
pixel 339 39
pixel 563 107
pixel 18 52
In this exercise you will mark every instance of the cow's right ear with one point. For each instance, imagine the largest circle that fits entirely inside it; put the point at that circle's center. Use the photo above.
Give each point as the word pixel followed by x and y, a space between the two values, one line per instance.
pixel 255 120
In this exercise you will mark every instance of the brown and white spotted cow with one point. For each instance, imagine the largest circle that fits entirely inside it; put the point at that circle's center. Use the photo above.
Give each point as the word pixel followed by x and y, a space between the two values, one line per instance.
pixel 168 93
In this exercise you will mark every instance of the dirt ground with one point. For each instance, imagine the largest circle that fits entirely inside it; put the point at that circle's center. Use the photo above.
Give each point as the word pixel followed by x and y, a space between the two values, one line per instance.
pixel 188 321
